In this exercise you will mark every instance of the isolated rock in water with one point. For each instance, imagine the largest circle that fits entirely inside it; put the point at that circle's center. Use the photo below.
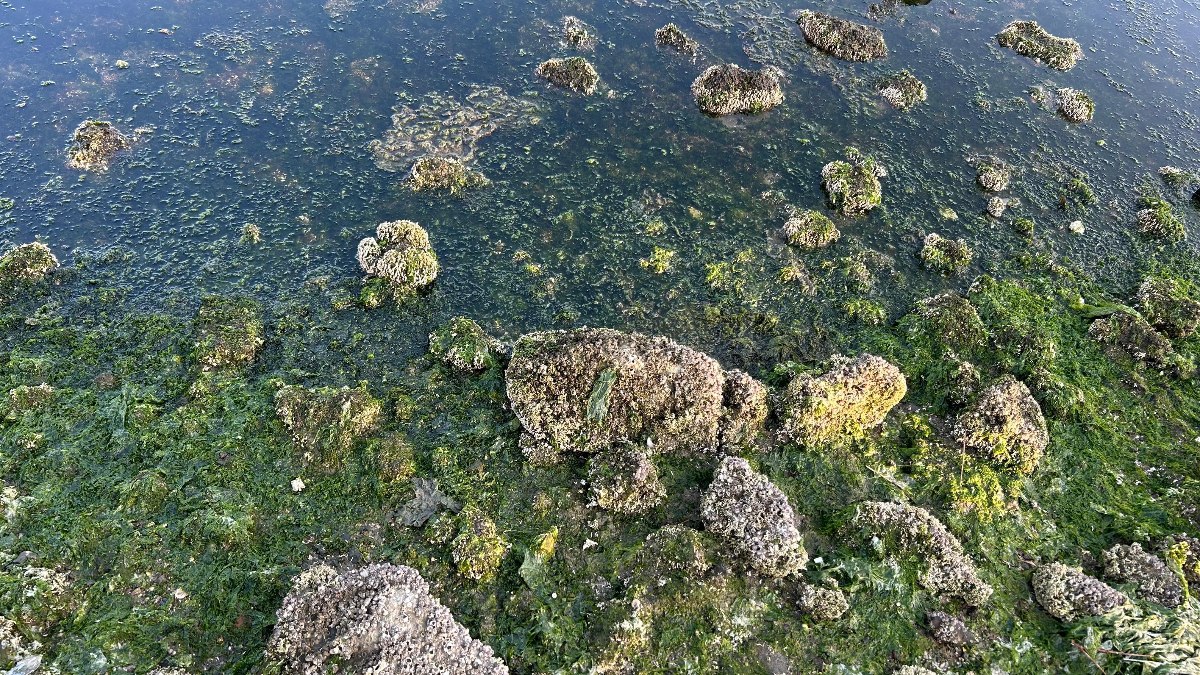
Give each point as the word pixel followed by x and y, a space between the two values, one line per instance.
pixel 993 176
pixel 1075 105
pixel 730 90
pixel 810 230
pixel 1028 38
pixel 578 34
pixel 401 255
pixel 376 619
pixel 585 390
pixel 822 603
pixel 25 264
pixel 903 90
pixel 1154 580
pixel 754 516
pixel 230 332
pixel 1005 425
pixel 325 423
pixel 464 346
pixel 996 206
pixel 948 630
pixel 1166 305
pixel 947 256
pixel 1157 220
pixel 671 36
pixel 853 184
pixel 442 174
pixel 853 396
pixel 1066 593
pixel 912 532
pixel 94 144
pixel 624 479
pixel 574 73
pixel 1125 335
pixel 843 39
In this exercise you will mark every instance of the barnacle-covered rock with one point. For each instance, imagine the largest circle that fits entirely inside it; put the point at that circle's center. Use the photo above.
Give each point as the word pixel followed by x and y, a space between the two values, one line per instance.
pixel 950 319
pixel 745 409
pixel 1028 38
pixel 574 73
pixel 445 174
pixel 94 144
pixel 400 255
pixel 754 516
pixel 911 532
pixel 229 332
pixel 377 619
pixel 822 603
pixel 672 36
pixel 854 395
pixel 585 390
pixel 1075 105
pixel 993 176
pixel 903 90
pixel 996 206
pixel 624 479
pixel 1154 580
pixel 1005 425
pixel 577 34
pixel 23 266
pixel 326 422
pixel 810 230
pixel 464 346
pixel 853 183
pixel 947 256
pixel 478 549
pixel 1066 593
pixel 841 38
pixel 1125 335
pixel 729 90
pixel 1157 220
pixel 1166 305
pixel 948 629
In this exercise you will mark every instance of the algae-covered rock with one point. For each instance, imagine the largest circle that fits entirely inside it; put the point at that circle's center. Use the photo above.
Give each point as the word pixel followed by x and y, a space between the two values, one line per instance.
pixel 810 230
pixel 911 532
pixel 853 184
pixel 1028 38
pixel 26 398
pixel 577 34
pixel 1166 305
pixel 854 395
pixel 1005 425
pixel 400 255
pixel 94 144
pixel 1075 105
pixel 1127 335
pixel 950 319
pixel 26 264
pixel 574 73
pixel 380 618
pixel 745 409
pixel 902 90
pixel 587 389
pixel 445 174
pixel 674 551
pixel 729 90
pixel 624 479
pixel 464 346
pixel 673 37
pixel 993 176
pixel 1154 580
pixel 1066 593
pixel 1157 220
pixel 947 256
pixel 948 630
pixel 841 38
pixel 325 422
pixel 822 603
pixel 478 549
pixel 229 332
pixel 754 517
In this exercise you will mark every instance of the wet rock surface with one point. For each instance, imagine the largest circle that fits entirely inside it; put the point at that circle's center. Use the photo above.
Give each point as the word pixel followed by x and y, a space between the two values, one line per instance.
pixel 672 36
pixel 1147 572
pixel 852 397
pixel 94 145
pixel 1005 425
pixel 401 255
pixel 852 184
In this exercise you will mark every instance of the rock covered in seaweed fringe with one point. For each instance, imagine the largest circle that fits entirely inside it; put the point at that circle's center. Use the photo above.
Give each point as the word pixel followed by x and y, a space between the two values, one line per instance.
pixel 903 90
pixel 1028 38
pixel 442 173
pixel 577 34
pixel 624 479
pixel 94 144
pixel 853 184
pixel 326 422
pixel 672 36
pixel 1075 105
pixel 478 549
pixel 584 390
pixel 1005 425
pixel 401 255
pixel 574 73
pixel 754 516
pixel 464 346
pixel 381 618
pixel 810 230
pixel 916 534
pixel 1154 580
pixel 1129 335
pixel 822 603
pixel 1165 304
pixel 230 332
pixel 729 90
pixel 841 38
pixel 854 395
pixel 26 264
pixel 993 176
pixel 1157 220
pixel 947 256
pixel 1066 593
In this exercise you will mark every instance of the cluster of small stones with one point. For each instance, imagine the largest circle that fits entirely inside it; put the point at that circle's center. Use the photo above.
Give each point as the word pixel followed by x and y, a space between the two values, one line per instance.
pixel 381 618
pixel 446 174
pixel 325 423
pixel 853 184
pixel 754 516
pixel 1075 105
pixel 624 479
pixel 1067 593
pixel 1028 38
pixel 822 603
pixel 729 90
pixel 810 230
pixel 993 176
pixel 1005 425
pixel 853 396
pixel 94 144
pixel 574 73
pixel 464 346
pixel 902 90
pixel 947 256
pixel 1165 305
pixel 478 550
pixel 673 37
pixel 577 34
pixel 1155 581
pixel 915 533
pixel 230 332
pixel 841 38
pixel 399 254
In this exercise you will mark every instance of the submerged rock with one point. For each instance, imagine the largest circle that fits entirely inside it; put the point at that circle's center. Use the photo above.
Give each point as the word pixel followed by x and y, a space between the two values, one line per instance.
pixel 754 516
pixel 377 619
pixel 1075 105
pixel 624 479
pixel 1028 38
pixel 914 533
pixel 1154 580
pixel 230 332
pixel 1157 220
pixel 399 254
pixel 1005 425
pixel 853 184
pixel 464 346
pixel 1066 593
pixel 478 549
pixel 444 174
pixel 729 90
pixel 853 396
pixel 1165 304
pixel 822 603
pixel 24 265
pixel 94 144
pixel 578 34
pixel 841 38
pixel 671 36
pixel 993 176
pixel 325 423
pixel 587 389
pixel 947 256
pixel 810 230
pixel 574 73
pixel 903 90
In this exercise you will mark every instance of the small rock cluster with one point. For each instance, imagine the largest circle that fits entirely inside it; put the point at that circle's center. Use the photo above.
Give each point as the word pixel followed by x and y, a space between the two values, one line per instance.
pixel 946 256
pixel 624 479
pixel 577 34
pixel 754 516
pixel 464 346
pixel 993 176
pixel 822 603
pixel 730 90
pixel 673 37
pixel 94 144
pixel 445 174
pixel 1166 305
pixel 902 90
pixel 23 266
pixel 1075 105
pixel 1154 580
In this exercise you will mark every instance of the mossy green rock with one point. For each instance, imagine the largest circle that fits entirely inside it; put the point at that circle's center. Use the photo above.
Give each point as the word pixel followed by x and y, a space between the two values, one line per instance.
pixel 24 266
pixel 443 174
pixel 853 396
pixel 325 423
pixel 229 331
pixel 624 479
pixel 841 38
pixel 478 549
pixel 1028 38
pixel 946 256
pixel 853 184
pixel 810 230
pixel 1166 303
pixel 464 346
pixel 574 73
pixel 1005 425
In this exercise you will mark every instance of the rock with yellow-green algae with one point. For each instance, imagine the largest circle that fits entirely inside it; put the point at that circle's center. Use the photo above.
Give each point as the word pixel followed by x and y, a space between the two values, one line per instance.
pixel 853 396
